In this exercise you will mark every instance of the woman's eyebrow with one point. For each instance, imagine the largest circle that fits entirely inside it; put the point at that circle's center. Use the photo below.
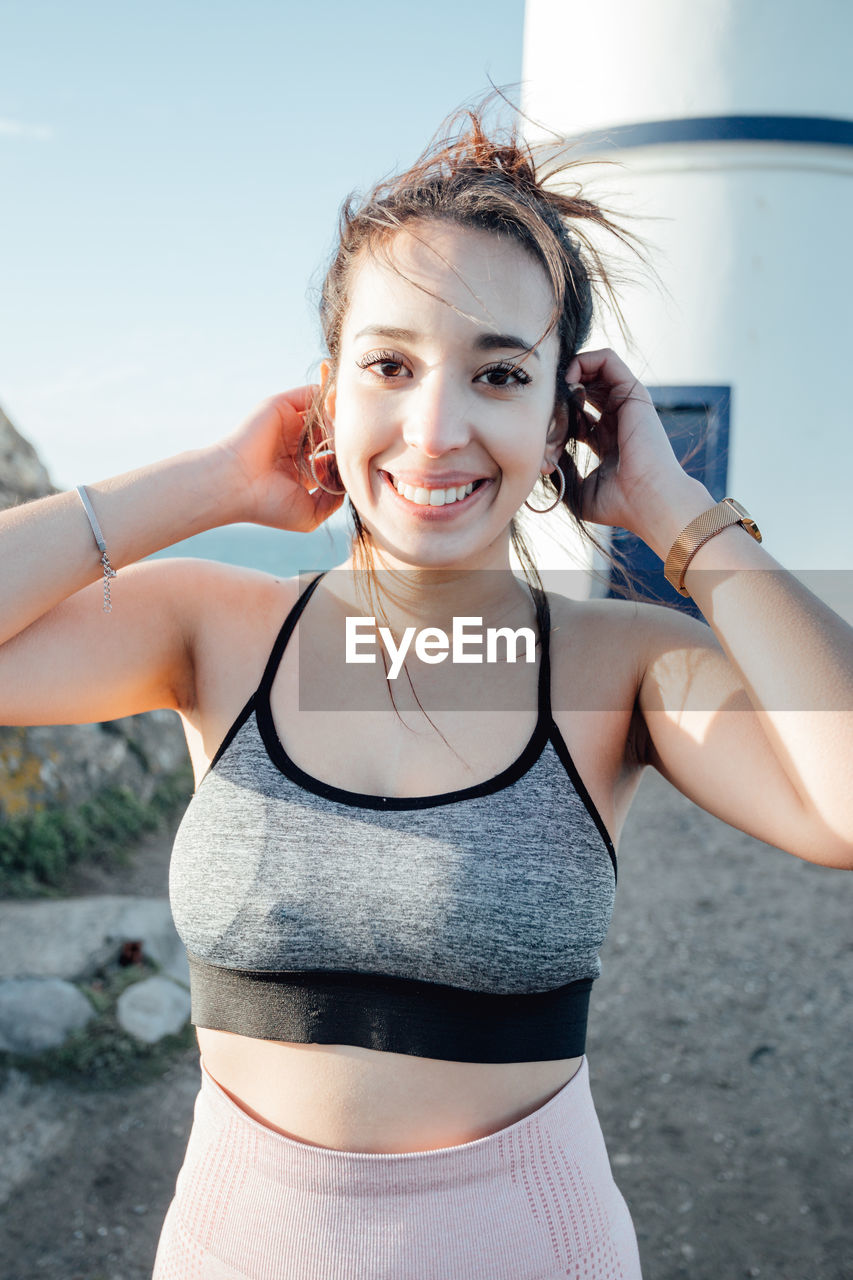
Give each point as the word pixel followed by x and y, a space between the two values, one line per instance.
pixel 483 342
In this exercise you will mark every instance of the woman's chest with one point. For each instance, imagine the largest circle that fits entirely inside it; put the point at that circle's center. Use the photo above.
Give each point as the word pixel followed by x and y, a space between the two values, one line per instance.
pixel 371 737
pixel 504 887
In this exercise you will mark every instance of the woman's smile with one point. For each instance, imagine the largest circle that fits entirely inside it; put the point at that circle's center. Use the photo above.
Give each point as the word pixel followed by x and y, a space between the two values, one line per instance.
pixel 442 498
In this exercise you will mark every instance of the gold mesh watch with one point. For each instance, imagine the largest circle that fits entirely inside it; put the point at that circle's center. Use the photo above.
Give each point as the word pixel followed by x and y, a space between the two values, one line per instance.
pixel 698 531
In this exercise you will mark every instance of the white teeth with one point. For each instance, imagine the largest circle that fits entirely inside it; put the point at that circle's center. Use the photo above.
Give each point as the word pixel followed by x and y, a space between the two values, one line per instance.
pixel 432 497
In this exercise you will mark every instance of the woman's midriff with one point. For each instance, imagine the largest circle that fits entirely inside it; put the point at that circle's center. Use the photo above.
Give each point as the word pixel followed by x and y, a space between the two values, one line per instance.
pixel 353 1099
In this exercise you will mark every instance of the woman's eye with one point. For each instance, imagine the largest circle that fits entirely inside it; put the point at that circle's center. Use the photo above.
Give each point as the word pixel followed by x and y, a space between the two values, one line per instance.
pixel 499 375
pixel 390 367
pixel 384 364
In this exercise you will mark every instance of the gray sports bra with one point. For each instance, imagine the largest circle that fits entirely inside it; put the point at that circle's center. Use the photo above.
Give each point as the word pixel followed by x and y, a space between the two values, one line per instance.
pixel 463 926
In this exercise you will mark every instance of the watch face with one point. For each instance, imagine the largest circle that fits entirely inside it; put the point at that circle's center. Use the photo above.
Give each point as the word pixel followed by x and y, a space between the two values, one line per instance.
pixel 745 518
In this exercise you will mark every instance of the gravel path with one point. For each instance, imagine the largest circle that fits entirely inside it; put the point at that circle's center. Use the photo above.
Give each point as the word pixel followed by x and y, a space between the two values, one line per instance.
pixel 719 1059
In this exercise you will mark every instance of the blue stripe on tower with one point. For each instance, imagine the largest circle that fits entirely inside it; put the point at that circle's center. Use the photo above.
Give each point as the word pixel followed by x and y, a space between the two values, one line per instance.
pixel 812 130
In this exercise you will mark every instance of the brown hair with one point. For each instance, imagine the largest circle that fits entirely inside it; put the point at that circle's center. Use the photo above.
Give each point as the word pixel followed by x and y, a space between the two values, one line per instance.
pixel 493 182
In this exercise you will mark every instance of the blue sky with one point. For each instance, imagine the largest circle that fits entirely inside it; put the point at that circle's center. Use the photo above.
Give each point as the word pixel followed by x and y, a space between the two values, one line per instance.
pixel 171 178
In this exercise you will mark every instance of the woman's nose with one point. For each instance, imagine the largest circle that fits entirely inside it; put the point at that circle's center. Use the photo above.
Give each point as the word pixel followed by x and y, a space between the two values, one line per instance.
pixel 437 417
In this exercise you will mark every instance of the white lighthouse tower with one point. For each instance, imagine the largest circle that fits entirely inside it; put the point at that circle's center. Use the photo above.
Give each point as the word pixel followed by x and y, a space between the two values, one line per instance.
pixel 732 122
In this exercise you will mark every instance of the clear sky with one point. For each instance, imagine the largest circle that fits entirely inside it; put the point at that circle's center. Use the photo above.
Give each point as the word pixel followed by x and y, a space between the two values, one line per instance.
pixel 171 175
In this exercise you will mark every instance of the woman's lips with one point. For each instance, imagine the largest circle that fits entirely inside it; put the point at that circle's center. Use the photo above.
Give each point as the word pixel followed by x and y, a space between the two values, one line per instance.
pixel 425 511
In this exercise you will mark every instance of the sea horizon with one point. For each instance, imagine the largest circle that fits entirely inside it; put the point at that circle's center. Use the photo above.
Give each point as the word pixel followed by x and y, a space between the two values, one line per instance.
pixel 276 551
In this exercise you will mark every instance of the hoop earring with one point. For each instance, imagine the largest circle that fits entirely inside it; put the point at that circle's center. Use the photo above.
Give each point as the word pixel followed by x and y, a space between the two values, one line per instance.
pixel 320 452
pixel 540 511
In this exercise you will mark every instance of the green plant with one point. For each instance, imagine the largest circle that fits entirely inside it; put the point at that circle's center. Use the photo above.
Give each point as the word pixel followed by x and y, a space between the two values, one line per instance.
pixel 38 850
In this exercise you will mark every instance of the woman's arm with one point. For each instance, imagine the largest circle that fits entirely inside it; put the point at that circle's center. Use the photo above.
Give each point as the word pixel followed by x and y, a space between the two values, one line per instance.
pixel 757 728
pixel 48 551
pixel 62 659
pixel 754 722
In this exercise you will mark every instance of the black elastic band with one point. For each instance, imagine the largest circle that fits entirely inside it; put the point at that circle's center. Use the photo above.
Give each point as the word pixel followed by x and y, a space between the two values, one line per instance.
pixel 391 1014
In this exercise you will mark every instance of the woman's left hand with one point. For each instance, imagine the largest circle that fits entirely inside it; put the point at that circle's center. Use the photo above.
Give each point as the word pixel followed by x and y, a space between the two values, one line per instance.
pixel 637 466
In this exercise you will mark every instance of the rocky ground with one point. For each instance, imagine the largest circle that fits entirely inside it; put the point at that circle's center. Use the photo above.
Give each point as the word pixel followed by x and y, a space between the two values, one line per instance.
pixel 719 1059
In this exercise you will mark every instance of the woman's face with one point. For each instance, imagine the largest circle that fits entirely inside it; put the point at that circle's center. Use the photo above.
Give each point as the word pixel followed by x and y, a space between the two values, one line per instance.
pixel 441 423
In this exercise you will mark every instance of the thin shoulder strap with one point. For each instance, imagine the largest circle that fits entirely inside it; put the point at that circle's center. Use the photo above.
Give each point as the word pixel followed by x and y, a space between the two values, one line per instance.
pixel 267 678
pixel 283 636
pixel 544 618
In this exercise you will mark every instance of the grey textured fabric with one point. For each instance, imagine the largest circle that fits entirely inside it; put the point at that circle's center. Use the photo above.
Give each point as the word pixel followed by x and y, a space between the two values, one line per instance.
pixel 506 892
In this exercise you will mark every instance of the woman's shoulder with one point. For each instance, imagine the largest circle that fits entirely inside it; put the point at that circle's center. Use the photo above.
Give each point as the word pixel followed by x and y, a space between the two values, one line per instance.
pixel 601 651
pixel 597 648
pixel 236 615
pixel 239 583
pixel 632 629
pixel 592 620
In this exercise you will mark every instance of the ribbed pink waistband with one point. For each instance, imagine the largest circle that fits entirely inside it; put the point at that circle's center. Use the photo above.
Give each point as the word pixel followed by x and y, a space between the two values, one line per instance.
pixel 567 1120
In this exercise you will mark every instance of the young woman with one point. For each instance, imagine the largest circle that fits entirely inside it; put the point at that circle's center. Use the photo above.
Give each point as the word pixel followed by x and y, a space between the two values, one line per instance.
pixel 393 891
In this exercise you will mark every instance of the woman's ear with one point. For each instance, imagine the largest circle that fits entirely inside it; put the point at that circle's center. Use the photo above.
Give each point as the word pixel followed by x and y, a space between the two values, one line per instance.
pixel 557 436
pixel 329 400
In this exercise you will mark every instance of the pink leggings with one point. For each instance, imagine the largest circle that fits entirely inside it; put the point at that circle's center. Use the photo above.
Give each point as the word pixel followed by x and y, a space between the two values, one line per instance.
pixel 533 1201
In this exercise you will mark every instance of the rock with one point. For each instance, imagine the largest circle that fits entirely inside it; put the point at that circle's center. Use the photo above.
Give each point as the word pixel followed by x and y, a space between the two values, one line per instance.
pixel 153 1008
pixel 72 939
pixel 40 1013
pixel 22 474
pixel 46 945
pixel 53 766
pixel 156 738
pixel 150 921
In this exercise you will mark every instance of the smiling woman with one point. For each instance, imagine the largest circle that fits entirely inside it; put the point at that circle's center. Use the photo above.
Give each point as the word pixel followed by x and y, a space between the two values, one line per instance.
pixel 393 896
pixel 435 412
pixel 461 254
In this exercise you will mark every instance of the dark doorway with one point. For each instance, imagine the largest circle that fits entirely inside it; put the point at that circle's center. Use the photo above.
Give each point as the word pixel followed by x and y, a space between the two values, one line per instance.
pixel 697 423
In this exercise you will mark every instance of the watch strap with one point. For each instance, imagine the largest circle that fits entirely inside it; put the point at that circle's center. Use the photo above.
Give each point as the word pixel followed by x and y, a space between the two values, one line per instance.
pixel 698 531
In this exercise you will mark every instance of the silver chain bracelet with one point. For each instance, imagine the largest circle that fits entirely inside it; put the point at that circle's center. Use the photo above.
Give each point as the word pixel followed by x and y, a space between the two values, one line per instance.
pixel 109 571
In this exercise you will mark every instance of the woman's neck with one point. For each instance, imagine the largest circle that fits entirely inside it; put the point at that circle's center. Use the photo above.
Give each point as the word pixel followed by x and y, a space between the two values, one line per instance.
pixel 401 596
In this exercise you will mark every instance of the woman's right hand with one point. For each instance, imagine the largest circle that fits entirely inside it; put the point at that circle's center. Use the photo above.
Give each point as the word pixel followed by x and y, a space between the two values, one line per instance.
pixel 266 449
